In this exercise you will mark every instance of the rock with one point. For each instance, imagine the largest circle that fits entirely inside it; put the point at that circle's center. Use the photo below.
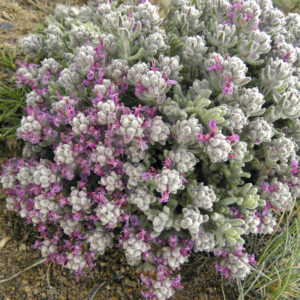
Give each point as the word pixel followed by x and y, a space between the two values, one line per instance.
pixel 6 25
pixel 27 289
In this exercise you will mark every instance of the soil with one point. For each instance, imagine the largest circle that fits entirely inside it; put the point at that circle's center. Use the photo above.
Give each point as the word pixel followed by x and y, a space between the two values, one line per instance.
pixel 112 278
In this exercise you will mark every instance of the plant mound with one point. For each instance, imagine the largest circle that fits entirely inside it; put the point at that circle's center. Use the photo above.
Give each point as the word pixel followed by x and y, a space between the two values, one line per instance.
pixel 160 135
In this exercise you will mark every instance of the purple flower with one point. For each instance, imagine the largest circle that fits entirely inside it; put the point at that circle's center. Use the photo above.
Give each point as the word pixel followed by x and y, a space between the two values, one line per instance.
pixel 225 271
pixel 176 283
pixel 37 244
pixel 145 280
pixel 134 220
pixel 53 216
pixel 139 88
pixel 173 239
pixel 42 228
pixel 252 260
pixel 78 274
pixel 147 295
pixel 168 163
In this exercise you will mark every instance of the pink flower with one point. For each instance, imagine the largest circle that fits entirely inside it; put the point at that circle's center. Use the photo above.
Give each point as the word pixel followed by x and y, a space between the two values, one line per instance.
pixel 139 88
pixel 165 197
pixel 227 88
pixel 212 127
pixel 171 82
pixel 153 66
pixel 237 6
pixel 168 163
pixel 217 66
pixel 143 145
pixel 233 138
pixel 203 138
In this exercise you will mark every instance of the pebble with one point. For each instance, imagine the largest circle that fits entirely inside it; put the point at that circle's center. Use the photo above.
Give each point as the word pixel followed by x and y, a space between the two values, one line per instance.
pixel 203 296
pixel 6 25
pixel 23 247
pixel 27 289
pixel 130 283
pixel 119 275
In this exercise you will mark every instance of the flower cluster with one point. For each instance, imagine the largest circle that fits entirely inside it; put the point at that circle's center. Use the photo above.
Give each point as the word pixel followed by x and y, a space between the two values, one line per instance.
pixel 162 135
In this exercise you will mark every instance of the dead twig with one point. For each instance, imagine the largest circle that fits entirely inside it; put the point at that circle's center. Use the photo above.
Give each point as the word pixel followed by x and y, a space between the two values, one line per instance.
pixel 23 271
pixel 4 241
pixel 48 276
pixel 97 290
pixel 37 6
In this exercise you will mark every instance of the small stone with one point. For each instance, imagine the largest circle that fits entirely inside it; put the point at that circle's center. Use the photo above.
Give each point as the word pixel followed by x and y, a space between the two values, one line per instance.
pixel 23 247
pixel 119 275
pixel 27 289
pixel 35 291
pixel 130 283
pixel 6 25
pixel 203 296
pixel 43 295
pixel 129 291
